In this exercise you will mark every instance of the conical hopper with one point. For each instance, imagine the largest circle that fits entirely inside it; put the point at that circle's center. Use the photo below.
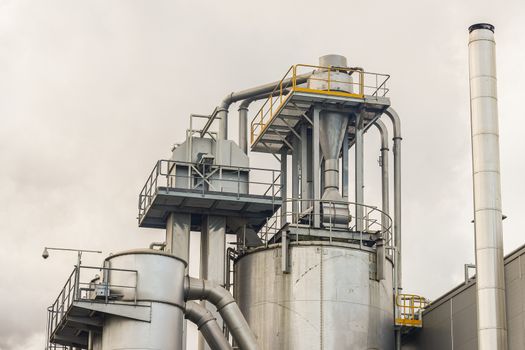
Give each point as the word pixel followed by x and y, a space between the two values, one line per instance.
pixel 332 130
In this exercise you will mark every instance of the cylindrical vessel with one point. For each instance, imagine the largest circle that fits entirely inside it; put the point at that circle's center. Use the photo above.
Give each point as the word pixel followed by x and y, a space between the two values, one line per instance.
pixel 329 300
pixel 333 80
pixel 490 286
pixel 159 280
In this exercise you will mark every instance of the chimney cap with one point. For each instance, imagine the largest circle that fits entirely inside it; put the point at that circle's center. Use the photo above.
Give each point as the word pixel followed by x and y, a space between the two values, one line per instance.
pixel 481 26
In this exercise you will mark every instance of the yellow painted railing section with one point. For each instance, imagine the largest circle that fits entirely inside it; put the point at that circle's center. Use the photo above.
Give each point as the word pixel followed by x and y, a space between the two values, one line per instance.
pixel 363 83
pixel 410 310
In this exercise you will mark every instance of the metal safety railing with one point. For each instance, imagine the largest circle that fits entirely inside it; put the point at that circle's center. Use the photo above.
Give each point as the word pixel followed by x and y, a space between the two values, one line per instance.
pixel 299 213
pixel 362 84
pixel 206 178
pixel 79 287
pixel 410 310
pixel 52 346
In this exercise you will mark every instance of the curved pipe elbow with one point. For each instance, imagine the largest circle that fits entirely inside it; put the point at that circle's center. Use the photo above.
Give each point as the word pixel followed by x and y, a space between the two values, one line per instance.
pixel 396 122
pixel 197 289
pixel 197 314
pixel 227 101
pixel 207 325
pixel 384 134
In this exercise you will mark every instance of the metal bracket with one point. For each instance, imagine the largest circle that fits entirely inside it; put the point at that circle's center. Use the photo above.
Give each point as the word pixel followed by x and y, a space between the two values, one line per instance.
pixel 285 254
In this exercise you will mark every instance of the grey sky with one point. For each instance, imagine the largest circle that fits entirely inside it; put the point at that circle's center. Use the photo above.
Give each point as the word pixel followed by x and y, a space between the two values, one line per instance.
pixel 92 93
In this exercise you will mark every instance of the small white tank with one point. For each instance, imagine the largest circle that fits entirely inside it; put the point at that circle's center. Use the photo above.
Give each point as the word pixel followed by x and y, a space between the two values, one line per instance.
pixel 160 280
pixel 333 80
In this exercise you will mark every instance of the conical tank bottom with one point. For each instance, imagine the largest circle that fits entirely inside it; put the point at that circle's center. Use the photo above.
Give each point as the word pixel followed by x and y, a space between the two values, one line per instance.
pixel 332 129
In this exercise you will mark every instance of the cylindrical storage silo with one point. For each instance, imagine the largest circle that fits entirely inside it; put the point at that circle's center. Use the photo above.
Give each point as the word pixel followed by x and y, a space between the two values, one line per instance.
pixel 159 281
pixel 330 299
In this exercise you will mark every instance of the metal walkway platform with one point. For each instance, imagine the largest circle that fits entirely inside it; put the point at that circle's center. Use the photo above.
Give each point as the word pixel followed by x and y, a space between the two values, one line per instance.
pixel 290 103
pixel 82 303
pixel 254 208
pixel 249 193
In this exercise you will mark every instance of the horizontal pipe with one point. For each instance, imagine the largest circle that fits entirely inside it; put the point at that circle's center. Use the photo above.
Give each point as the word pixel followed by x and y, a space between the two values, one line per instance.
pixel 244 94
pixel 197 289
pixel 207 325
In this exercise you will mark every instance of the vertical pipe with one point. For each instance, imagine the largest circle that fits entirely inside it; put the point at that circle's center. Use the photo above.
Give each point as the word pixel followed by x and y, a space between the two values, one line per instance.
pixel 295 177
pixel 315 168
pixel 304 167
pixel 243 127
pixel 284 182
pixel 490 286
pixel 345 162
pixel 359 173
pixel 90 340
pixel 396 124
pixel 385 198
pixel 222 114
pixel 385 190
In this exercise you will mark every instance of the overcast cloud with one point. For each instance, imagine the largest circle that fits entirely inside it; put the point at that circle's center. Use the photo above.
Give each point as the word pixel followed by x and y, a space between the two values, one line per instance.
pixel 92 93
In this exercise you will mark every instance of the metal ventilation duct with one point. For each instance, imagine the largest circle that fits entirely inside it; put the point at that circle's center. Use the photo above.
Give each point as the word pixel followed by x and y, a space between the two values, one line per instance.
pixel 490 287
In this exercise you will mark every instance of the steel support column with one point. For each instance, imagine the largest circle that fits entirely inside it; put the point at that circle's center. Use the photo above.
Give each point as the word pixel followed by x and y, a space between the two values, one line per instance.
pixel 178 235
pixel 295 177
pixel 359 172
pixel 284 183
pixel 213 259
pixel 345 163
pixel 316 161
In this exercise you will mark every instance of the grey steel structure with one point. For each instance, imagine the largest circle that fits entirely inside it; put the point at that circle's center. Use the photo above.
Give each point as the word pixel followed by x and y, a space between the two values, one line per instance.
pixel 450 321
pixel 309 265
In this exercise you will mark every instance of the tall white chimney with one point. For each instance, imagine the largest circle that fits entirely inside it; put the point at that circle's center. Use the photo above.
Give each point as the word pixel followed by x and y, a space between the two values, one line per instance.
pixel 490 288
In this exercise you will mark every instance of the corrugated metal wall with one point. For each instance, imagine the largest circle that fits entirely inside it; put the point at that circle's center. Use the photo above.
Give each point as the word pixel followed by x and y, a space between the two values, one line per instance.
pixel 450 322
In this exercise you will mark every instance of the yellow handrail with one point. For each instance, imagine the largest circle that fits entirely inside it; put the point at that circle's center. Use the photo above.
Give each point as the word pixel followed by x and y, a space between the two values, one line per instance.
pixel 288 85
pixel 410 309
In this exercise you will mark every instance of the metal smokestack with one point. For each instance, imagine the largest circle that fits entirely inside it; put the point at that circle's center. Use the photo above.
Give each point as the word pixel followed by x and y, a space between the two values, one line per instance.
pixel 490 287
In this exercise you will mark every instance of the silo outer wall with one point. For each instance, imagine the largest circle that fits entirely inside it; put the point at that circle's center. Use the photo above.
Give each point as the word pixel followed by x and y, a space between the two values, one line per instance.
pixel 160 280
pixel 327 301
pixel 164 332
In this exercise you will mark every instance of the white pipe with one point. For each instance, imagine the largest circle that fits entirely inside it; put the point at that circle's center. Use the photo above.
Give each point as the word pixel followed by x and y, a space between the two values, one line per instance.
pixel 197 289
pixel 490 285
pixel 207 325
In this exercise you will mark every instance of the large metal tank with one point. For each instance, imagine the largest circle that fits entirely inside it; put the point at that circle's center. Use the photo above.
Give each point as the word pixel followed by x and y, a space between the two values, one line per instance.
pixel 329 300
pixel 159 280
